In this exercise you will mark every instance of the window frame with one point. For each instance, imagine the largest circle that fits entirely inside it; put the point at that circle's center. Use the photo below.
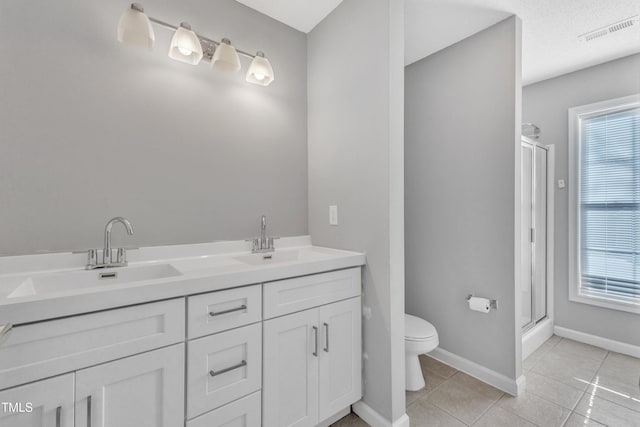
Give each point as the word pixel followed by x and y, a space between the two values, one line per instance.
pixel 576 115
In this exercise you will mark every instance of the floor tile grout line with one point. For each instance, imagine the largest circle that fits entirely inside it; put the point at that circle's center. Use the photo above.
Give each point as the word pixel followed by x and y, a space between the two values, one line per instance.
pixel 442 409
pixel 471 391
pixel 487 410
pixel 604 396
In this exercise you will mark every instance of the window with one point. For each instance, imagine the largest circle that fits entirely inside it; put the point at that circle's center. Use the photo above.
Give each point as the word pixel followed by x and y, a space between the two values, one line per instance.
pixel 604 205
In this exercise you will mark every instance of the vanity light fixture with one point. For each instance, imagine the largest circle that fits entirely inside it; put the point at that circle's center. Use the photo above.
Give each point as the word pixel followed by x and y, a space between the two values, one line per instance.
pixel 226 57
pixel 135 29
pixel 260 71
pixel 187 46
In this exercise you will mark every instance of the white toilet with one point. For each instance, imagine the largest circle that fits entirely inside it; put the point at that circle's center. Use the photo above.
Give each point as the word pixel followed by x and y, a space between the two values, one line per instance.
pixel 420 337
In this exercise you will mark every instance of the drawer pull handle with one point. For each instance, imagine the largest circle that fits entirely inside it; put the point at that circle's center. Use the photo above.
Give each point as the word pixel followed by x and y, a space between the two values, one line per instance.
pixel 230 368
pixel 220 313
pixel 58 415
pixel 89 411
pixel 315 348
pixel 326 337
pixel 5 331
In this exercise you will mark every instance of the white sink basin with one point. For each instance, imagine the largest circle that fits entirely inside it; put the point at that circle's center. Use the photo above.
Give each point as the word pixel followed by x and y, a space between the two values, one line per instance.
pixel 69 280
pixel 269 258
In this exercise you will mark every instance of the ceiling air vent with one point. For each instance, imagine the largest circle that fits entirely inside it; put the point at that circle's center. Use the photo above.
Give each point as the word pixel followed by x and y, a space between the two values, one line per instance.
pixel 609 29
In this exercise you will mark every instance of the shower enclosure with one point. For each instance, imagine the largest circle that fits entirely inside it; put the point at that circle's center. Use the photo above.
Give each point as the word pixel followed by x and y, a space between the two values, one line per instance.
pixel 536 186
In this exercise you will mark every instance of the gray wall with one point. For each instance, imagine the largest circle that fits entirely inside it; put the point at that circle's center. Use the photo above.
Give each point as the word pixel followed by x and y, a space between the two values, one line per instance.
pixel 355 92
pixel 91 129
pixel 546 104
pixel 461 186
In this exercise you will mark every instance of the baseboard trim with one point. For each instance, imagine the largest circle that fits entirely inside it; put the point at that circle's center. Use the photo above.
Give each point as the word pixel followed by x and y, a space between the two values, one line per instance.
pixel 606 343
pixel 374 419
pixel 496 379
pixel 403 421
pixel 536 336
pixel 335 417
pixel 521 385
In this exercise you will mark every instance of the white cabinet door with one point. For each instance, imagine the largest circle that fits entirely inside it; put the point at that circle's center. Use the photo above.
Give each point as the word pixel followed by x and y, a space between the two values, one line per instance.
pixel 290 367
pixel 146 390
pixel 46 403
pixel 340 356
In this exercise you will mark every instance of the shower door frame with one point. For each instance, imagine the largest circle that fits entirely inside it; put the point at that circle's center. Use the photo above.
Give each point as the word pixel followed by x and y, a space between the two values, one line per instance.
pixel 550 238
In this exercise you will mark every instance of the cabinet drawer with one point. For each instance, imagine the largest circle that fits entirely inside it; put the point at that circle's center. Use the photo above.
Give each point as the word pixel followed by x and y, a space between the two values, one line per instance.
pixel 219 311
pixel 223 367
pixel 44 349
pixel 245 412
pixel 291 295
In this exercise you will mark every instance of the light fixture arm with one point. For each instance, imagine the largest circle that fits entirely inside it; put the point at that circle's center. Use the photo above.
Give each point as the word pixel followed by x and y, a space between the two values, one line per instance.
pixel 201 37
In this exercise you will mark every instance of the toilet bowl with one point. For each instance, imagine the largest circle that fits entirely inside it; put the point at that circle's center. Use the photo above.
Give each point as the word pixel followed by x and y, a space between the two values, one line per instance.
pixel 420 337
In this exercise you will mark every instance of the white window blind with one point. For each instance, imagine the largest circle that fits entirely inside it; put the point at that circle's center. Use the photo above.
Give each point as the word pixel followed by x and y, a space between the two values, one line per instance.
pixel 610 204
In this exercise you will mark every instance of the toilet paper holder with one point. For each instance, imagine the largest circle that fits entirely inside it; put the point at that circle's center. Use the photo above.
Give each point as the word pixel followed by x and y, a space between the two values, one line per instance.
pixel 492 302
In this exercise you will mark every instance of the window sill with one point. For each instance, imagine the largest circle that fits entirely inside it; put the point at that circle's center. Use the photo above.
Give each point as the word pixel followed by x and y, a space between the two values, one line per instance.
pixel 606 302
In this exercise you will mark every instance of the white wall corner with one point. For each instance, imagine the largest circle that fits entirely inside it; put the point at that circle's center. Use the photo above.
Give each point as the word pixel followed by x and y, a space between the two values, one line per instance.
pixel 606 343
pixel 491 377
pixel 374 419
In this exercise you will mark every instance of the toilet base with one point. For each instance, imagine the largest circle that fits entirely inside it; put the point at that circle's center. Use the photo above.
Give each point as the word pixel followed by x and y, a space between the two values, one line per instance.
pixel 414 380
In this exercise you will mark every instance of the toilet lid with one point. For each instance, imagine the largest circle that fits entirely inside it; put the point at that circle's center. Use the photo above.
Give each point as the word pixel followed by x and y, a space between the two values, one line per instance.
pixel 416 328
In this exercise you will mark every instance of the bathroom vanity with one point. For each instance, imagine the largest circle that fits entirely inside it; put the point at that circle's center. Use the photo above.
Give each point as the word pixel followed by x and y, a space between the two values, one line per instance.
pixel 197 335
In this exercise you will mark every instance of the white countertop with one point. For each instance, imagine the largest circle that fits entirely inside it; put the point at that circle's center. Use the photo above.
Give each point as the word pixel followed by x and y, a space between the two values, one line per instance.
pixel 25 298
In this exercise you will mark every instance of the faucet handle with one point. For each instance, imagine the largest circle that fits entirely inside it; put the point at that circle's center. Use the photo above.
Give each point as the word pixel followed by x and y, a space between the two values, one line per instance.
pixel 92 258
pixel 270 242
pixel 121 257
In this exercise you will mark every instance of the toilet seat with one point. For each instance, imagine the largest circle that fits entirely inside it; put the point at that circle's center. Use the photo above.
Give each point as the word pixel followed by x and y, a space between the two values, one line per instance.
pixel 417 329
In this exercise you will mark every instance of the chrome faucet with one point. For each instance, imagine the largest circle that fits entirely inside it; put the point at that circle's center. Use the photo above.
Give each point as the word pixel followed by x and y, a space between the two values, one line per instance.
pixel 263 243
pixel 107 255
pixel 263 231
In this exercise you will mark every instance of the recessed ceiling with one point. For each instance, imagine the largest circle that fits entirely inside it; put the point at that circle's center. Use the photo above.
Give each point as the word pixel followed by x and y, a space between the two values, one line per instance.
pixel 550 28
pixel 302 15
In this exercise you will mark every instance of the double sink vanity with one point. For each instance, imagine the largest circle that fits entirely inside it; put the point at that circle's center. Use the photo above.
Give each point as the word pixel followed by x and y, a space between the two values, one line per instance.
pixel 188 335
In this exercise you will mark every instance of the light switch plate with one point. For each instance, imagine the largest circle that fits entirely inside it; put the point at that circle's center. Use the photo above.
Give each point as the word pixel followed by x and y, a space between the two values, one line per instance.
pixel 561 183
pixel 333 215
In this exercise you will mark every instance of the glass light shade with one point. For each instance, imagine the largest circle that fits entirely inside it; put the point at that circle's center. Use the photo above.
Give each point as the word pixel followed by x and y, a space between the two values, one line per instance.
pixel 260 71
pixel 185 46
pixel 225 57
pixel 135 29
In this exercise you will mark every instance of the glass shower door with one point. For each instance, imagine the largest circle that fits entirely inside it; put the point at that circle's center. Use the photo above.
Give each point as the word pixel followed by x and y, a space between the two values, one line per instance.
pixel 534 233
pixel 527 222
pixel 540 235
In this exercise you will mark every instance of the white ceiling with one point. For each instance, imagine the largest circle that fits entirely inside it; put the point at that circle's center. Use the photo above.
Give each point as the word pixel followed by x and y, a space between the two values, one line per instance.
pixel 302 15
pixel 550 28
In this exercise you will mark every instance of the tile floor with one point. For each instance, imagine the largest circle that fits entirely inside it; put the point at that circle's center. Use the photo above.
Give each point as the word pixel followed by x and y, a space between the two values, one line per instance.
pixel 569 384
